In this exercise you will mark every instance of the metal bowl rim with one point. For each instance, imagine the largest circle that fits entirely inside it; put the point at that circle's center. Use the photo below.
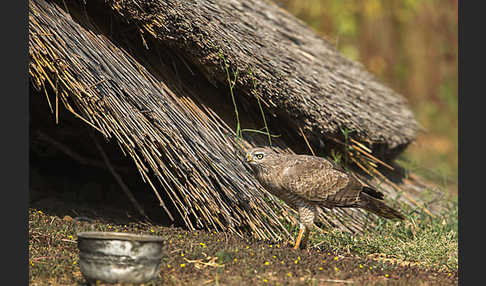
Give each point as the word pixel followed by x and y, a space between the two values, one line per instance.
pixel 103 235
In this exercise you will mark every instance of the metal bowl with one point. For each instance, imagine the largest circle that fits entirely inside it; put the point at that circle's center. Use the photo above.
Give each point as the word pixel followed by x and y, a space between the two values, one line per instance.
pixel 114 257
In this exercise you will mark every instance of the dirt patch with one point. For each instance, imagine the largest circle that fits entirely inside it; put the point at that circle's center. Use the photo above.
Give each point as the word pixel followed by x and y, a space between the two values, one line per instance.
pixel 209 258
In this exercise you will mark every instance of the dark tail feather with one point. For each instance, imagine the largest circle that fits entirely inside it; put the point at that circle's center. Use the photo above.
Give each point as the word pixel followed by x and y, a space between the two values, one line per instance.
pixel 372 201
pixel 374 193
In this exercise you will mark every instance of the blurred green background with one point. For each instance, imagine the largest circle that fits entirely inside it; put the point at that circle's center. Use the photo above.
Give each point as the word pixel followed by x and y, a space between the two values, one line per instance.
pixel 412 47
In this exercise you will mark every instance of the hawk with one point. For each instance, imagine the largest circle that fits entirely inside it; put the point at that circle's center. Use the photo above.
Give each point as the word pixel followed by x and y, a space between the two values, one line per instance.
pixel 307 182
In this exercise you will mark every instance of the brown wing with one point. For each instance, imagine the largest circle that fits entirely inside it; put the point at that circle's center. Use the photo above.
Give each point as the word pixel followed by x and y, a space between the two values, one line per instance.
pixel 320 180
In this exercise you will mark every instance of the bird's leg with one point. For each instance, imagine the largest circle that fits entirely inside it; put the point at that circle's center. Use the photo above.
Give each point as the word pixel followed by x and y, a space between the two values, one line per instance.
pixel 306 217
pixel 299 236
pixel 303 244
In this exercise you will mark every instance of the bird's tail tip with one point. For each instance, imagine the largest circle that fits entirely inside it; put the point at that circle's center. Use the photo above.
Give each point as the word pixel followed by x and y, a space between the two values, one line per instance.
pixel 379 208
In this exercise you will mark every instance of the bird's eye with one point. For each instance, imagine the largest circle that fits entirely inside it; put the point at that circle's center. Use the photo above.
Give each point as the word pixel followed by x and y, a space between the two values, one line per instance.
pixel 259 156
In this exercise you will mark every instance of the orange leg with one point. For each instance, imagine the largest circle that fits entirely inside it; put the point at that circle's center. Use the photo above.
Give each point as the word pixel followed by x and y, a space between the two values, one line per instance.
pixel 299 237
pixel 303 244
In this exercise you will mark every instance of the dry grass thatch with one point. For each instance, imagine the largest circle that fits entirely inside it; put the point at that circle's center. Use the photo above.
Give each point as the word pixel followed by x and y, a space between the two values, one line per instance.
pixel 180 144
pixel 303 79
pixel 189 151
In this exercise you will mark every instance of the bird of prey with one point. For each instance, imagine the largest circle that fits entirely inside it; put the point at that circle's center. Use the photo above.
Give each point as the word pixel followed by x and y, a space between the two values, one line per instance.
pixel 307 182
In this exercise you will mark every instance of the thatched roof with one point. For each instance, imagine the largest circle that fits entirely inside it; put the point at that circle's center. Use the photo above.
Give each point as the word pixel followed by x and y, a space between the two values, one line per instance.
pixel 306 82
pixel 149 76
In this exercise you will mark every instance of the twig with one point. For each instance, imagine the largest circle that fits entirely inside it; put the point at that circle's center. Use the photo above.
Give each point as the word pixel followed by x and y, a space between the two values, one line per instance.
pixel 371 156
pixel 306 142
pixel 118 178
pixel 338 281
pixel 42 257
pixel 74 155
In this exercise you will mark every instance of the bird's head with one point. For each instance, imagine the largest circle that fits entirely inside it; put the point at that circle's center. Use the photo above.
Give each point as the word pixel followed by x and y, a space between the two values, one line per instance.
pixel 258 157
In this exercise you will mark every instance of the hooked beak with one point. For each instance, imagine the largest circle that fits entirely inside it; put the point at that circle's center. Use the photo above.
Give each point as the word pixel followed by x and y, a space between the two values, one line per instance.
pixel 248 158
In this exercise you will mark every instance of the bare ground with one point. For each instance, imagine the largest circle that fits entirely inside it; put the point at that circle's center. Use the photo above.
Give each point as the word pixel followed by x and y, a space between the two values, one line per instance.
pixel 200 257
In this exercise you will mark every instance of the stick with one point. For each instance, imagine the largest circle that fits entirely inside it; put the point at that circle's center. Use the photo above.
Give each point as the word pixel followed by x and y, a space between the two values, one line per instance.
pixel 338 281
pixel 372 157
pixel 306 142
pixel 118 178
pixel 74 155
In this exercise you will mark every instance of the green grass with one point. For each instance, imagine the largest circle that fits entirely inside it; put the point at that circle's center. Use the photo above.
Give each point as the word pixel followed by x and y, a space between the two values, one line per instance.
pixel 231 84
pixel 429 242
